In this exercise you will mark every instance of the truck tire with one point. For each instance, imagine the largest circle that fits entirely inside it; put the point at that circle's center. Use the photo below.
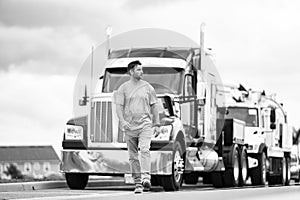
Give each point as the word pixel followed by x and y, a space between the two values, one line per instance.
pixel 206 178
pixel 191 178
pixel 286 171
pixel 77 181
pixel 274 180
pixel 231 176
pixel 174 181
pixel 283 172
pixel 298 178
pixel 244 166
pixel 259 174
pixel 217 179
pixel 285 175
pixel 155 180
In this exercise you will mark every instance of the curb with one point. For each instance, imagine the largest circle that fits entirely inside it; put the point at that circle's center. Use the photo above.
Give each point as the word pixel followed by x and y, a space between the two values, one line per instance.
pixel 40 185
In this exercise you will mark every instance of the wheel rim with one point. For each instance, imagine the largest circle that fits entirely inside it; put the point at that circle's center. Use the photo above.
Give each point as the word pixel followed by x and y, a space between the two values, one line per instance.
pixel 288 170
pixel 236 169
pixel 178 166
pixel 264 169
pixel 284 172
pixel 244 167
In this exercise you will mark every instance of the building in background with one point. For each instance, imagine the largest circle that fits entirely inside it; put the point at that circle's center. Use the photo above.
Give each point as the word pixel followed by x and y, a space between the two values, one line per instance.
pixel 32 161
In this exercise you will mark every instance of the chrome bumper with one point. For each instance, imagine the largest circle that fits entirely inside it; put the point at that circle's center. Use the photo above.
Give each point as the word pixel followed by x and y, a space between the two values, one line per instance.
pixel 111 162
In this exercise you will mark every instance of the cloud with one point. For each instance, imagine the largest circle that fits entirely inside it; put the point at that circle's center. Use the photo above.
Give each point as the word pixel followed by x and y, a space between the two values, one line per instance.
pixel 43 50
pixel 34 13
pixel 34 108
pixel 39 98
pixel 92 16
pixel 52 37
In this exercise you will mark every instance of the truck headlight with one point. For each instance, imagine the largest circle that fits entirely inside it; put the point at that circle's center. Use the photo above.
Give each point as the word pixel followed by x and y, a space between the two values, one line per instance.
pixel 73 132
pixel 164 134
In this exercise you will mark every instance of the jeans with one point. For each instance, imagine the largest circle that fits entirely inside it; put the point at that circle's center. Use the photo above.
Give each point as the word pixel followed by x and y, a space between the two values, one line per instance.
pixel 139 139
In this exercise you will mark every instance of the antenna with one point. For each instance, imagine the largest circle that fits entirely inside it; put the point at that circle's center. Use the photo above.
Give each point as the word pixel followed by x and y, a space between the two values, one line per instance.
pixel 202 53
pixel 84 100
pixel 92 68
pixel 108 34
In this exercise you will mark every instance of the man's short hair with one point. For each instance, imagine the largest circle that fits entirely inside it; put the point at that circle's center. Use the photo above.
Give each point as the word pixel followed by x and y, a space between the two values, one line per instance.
pixel 132 64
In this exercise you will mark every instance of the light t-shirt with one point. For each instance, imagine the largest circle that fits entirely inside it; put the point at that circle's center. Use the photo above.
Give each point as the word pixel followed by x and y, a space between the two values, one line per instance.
pixel 137 99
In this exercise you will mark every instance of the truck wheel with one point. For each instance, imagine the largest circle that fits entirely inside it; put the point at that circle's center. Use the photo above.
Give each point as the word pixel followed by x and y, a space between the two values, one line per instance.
pixel 77 181
pixel 217 179
pixel 155 180
pixel 244 166
pixel 231 176
pixel 174 181
pixel 283 171
pixel 206 178
pixel 191 178
pixel 298 178
pixel 259 173
pixel 286 173
pixel 274 180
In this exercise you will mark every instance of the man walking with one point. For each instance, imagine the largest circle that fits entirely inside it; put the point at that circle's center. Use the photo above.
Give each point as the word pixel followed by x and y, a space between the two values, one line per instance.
pixel 135 101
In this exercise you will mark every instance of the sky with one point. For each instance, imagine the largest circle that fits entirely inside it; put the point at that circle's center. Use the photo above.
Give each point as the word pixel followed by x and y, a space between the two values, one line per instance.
pixel 43 45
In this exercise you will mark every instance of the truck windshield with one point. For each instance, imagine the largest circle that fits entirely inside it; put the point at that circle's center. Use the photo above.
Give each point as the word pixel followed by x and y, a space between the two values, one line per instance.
pixel 248 115
pixel 163 79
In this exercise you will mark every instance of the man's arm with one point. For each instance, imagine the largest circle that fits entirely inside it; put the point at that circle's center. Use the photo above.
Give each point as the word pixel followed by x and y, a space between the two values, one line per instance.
pixel 156 122
pixel 120 113
pixel 154 110
pixel 124 125
pixel 119 101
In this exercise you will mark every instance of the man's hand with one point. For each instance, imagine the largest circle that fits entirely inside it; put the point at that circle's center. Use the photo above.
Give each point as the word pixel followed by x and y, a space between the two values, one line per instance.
pixel 156 131
pixel 125 126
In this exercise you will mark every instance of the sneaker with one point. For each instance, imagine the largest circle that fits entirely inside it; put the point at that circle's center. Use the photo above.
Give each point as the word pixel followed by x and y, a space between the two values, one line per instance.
pixel 138 189
pixel 146 185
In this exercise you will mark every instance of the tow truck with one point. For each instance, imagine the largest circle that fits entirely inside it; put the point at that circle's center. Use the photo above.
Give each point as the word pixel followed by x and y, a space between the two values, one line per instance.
pixel 269 142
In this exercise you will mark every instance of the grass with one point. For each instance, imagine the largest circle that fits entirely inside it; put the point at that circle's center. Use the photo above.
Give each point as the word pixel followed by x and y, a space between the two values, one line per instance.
pixel 52 177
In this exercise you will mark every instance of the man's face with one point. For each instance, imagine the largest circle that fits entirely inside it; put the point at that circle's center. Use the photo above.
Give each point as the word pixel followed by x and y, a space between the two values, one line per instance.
pixel 137 72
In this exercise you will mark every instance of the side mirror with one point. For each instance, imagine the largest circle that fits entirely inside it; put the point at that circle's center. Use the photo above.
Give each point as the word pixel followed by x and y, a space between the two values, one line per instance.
pixel 272 126
pixel 84 100
pixel 169 105
pixel 273 116
pixel 273 119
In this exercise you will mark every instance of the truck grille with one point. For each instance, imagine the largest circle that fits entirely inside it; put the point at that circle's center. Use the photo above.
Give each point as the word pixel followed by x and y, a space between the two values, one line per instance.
pixel 102 124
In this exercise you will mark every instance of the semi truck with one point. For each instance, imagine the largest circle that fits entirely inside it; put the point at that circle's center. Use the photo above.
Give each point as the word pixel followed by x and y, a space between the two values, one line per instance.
pixel 268 139
pixel 197 138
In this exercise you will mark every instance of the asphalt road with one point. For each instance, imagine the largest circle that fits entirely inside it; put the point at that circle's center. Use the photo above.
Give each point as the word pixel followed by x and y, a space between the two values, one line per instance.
pixel 204 192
